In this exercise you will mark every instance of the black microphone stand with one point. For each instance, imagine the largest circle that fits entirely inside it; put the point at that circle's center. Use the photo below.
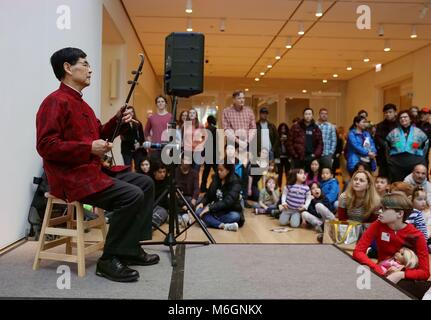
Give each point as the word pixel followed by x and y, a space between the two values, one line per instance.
pixel 171 238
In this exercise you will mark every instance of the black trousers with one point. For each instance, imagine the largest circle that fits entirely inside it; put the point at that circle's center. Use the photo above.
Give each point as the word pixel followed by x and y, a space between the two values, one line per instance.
pixel 284 165
pixel 402 165
pixel 131 199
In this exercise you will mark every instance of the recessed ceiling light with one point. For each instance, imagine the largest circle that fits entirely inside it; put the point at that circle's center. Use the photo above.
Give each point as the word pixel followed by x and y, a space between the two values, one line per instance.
pixel 349 68
pixel 335 75
pixel 387 47
pixel 262 73
pixel 424 11
pixel 189 8
pixel 319 9
pixel 301 31
pixel 381 30
pixel 289 43
pixel 414 34
pixel 246 89
pixel 325 81
pixel 189 25
pixel 256 79
pixel 366 59
pixel 269 66
pixel 304 91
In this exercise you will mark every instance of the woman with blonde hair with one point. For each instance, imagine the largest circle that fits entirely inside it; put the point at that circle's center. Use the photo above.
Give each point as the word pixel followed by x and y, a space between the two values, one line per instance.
pixel 360 200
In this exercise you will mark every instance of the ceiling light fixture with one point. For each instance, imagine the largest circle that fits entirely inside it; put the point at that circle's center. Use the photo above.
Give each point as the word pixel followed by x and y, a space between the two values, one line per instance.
pixel 366 57
pixel 325 81
pixel 387 46
pixel 319 10
pixel 277 55
pixel 246 89
pixel 189 25
pixel 381 30
pixel 424 10
pixel 222 26
pixel 335 75
pixel 301 31
pixel 256 79
pixel 262 73
pixel 189 8
pixel 289 43
pixel 349 66
pixel 269 66
pixel 304 91
pixel 414 34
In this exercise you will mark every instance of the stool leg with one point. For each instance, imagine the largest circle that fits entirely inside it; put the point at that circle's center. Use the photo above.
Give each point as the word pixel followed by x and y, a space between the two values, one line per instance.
pixel 80 240
pixel 70 209
pixel 41 242
pixel 101 214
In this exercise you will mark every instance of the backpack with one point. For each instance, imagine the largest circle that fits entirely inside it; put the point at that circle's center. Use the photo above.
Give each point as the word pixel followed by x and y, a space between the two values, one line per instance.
pixel 38 206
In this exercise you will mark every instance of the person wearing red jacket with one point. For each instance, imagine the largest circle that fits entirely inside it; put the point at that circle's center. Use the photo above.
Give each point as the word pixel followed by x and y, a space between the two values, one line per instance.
pixel 72 142
pixel 392 233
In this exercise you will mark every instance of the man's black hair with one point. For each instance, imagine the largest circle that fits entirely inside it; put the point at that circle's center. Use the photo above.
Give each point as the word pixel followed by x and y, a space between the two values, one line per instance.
pixel 389 106
pixel 69 55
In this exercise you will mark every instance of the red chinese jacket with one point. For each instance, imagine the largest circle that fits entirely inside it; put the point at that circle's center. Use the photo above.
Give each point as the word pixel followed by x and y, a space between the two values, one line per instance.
pixel 66 127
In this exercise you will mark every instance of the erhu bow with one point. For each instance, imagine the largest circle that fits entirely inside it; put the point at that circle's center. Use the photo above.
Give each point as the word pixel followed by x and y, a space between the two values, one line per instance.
pixel 133 83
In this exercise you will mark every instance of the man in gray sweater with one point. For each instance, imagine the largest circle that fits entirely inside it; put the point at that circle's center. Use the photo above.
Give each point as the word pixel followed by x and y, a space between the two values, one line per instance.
pixel 418 178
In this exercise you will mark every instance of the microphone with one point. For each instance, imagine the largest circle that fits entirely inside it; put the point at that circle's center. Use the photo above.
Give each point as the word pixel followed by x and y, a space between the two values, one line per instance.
pixel 160 146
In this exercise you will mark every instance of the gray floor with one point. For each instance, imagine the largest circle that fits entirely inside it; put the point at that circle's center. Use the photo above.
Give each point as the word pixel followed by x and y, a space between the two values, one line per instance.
pixel 227 271
pixel 277 272
pixel 17 278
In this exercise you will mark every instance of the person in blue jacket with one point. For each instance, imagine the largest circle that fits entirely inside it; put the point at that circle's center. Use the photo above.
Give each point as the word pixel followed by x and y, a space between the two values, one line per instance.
pixel 360 145
pixel 330 188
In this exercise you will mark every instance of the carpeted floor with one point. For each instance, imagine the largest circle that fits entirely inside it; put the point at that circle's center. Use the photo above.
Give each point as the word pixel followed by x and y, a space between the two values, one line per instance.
pixel 17 278
pixel 277 272
pixel 222 271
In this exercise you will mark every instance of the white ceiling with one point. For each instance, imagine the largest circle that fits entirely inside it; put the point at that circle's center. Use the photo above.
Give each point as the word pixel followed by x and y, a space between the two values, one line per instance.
pixel 256 29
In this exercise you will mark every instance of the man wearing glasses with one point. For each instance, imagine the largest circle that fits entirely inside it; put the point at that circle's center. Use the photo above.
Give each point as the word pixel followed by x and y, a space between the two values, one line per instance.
pixel 72 142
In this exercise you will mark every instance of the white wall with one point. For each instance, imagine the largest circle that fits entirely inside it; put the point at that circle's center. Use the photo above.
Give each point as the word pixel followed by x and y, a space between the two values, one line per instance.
pixel 28 37
pixel 365 91
pixel 125 47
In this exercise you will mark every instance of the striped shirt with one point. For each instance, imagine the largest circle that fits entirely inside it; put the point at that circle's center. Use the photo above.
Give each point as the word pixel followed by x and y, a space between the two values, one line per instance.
pixel 295 195
pixel 356 213
pixel 329 137
pixel 416 218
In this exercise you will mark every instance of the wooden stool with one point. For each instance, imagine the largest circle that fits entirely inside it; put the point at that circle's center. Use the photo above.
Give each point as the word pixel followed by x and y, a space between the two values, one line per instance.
pixel 75 229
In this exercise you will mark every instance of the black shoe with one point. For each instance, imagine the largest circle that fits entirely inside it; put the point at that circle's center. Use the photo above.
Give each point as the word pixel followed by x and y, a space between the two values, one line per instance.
pixel 113 269
pixel 144 259
pixel 320 238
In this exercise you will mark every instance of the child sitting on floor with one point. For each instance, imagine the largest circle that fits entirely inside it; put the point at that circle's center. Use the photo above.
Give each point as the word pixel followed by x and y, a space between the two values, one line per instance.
pixel 317 211
pixel 330 188
pixel 268 198
pixel 313 174
pixel 416 217
pixel 382 185
pixel 293 200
